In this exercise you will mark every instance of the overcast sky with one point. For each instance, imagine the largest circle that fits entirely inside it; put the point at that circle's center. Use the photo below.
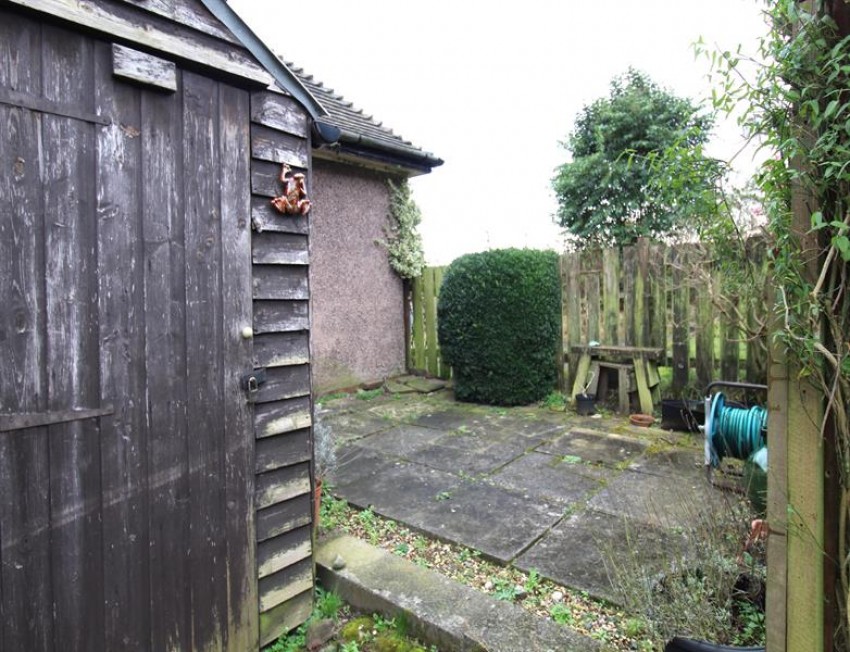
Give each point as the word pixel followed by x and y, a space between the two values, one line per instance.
pixel 493 87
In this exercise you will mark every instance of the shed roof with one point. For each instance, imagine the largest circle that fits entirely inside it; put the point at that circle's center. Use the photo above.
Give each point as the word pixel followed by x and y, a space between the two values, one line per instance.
pixel 362 137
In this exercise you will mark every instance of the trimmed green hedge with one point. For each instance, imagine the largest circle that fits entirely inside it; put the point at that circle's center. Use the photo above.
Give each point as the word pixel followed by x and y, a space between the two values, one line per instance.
pixel 499 325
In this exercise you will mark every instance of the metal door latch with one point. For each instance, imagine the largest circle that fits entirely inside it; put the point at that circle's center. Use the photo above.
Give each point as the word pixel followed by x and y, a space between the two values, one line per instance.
pixel 251 382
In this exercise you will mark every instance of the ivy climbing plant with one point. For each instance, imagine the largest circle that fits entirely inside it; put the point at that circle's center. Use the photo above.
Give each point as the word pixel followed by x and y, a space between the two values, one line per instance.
pixel 403 241
pixel 797 104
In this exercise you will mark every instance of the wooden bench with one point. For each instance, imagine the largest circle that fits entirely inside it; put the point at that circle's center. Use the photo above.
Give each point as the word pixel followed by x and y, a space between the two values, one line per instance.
pixel 636 368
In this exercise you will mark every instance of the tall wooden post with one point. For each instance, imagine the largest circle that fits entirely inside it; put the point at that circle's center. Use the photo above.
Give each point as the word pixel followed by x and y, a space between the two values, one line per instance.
pixel 796 511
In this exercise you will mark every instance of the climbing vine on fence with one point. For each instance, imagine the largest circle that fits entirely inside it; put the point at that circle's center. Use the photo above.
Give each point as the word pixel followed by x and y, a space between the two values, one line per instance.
pixel 797 103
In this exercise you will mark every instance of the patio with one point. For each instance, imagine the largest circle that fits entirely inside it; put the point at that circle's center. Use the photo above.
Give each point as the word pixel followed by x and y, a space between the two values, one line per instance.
pixel 525 486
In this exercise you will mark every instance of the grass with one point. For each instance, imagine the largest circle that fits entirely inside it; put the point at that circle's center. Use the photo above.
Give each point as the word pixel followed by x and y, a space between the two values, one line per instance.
pixel 369 394
pixel 332 624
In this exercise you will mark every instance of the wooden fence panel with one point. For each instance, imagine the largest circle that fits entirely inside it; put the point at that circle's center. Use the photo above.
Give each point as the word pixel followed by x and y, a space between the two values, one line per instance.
pixel 423 347
pixel 647 295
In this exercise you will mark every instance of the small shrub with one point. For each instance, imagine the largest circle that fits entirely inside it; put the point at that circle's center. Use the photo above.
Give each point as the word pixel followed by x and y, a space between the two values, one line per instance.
pixel 705 592
pixel 499 325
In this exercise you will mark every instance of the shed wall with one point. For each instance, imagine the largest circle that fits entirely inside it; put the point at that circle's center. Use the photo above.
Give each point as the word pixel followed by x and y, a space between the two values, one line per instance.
pixel 126 491
pixel 282 411
pixel 357 299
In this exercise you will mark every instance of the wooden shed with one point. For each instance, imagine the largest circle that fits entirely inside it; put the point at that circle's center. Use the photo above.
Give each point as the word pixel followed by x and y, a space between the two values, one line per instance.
pixel 154 491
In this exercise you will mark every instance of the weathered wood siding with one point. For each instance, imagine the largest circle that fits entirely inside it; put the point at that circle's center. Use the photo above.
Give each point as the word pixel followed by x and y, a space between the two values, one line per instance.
pixel 125 281
pixel 282 418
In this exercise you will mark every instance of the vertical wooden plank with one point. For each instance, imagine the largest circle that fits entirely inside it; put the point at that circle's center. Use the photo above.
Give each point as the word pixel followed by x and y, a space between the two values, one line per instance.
pixel 644 395
pixel 581 375
pixel 571 302
pixel 407 316
pixel 623 391
pixel 204 370
pixel 418 323
pixel 122 374
pixel 658 299
pixel 443 370
pixel 756 347
pixel 805 527
pixel 594 301
pixel 234 145
pixel 430 300
pixel 25 578
pixel 72 344
pixel 731 351
pixel 611 296
pixel 628 274
pixel 681 320
pixel 704 336
pixel 777 501
pixel 642 288
pixel 165 366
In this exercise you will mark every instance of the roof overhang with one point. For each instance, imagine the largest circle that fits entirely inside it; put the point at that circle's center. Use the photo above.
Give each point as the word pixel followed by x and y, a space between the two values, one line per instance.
pixel 261 52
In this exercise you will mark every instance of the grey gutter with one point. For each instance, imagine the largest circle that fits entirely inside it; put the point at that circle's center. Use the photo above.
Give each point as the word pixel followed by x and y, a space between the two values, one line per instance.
pixel 282 75
pixel 348 136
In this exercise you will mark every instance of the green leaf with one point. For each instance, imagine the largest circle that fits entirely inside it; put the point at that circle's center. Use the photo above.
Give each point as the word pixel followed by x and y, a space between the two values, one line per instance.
pixel 842 243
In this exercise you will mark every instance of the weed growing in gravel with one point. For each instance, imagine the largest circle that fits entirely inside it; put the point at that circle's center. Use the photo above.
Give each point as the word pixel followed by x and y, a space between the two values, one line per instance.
pixel 554 401
pixel 562 614
pixel 369 394
pixel 327 398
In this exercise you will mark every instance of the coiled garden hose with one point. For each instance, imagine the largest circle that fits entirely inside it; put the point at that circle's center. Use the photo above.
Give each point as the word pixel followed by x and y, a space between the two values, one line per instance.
pixel 732 431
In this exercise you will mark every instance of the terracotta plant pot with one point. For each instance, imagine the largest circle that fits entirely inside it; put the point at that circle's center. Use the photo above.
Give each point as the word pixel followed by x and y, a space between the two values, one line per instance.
pixel 642 420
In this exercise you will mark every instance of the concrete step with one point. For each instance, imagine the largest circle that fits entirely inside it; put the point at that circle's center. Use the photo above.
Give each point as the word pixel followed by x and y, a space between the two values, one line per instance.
pixel 439 611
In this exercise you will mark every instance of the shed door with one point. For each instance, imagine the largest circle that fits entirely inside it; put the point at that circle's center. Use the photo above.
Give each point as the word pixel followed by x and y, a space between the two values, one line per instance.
pixel 126 474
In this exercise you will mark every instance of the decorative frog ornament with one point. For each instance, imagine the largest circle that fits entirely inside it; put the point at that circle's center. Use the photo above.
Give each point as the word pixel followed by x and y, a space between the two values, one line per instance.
pixel 294 199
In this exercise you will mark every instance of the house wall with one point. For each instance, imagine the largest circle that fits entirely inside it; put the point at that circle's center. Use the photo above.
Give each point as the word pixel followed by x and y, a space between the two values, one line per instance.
pixel 357 299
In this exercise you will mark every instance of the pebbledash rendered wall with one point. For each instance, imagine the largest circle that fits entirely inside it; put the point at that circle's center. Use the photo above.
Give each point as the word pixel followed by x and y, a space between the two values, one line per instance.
pixel 357 300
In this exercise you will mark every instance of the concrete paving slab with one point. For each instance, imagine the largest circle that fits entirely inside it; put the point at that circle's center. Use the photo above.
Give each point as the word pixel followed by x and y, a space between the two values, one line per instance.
pixel 351 425
pixel 464 440
pixel 401 441
pixel 470 463
pixel 399 490
pixel 680 462
pixel 395 387
pixel 425 385
pixel 440 612
pixel 447 419
pixel 667 501
pixel 355 461
pixel 574 552
pixel 547 478
pixel 498 522
pixel 595 447
pixel 534 432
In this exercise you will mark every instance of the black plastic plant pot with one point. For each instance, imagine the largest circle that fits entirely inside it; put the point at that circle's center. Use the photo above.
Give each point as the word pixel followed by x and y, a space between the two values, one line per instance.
pixel 586 404
pixel 679 644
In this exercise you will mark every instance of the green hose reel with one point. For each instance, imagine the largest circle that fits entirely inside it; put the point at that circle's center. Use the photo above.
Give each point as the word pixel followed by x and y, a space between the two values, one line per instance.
pixel 740 433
